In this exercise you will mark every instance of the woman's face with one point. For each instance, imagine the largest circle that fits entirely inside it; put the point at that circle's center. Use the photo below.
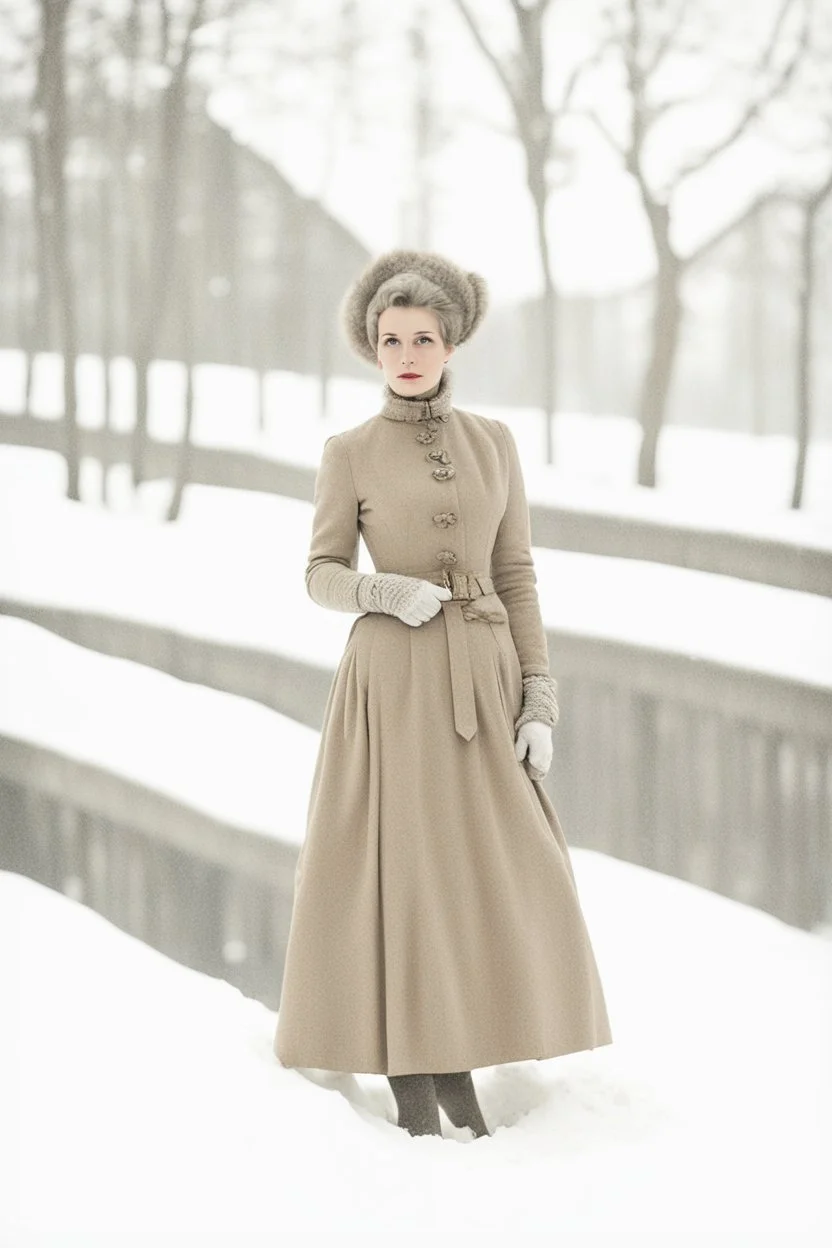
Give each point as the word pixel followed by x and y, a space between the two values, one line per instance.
pixel 410 349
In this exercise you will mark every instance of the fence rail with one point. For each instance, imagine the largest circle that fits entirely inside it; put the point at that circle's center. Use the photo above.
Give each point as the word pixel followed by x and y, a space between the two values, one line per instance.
pixel 767 560
pixel 716 775
pixel 208 893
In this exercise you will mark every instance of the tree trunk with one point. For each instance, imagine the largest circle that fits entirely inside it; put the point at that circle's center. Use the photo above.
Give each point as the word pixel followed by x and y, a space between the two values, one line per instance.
pixel 190 310
pixel 163 236
pixel 134 202
pixel 667 318
pixel 536 127
pixel 756 261
pixel 26 311
pixel 805 322
pixel 548 306
pixel 549 352
pixel 44 307
pixel 51 99
pixel 804 349
pixel 106 273
pixel 192 281
pixel 522 74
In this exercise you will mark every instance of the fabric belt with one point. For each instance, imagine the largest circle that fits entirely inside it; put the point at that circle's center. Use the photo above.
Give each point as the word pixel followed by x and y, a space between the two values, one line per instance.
pixel 465 587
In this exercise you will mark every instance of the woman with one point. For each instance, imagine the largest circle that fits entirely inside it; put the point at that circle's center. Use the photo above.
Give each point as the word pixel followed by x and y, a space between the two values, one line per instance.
pixel 436 925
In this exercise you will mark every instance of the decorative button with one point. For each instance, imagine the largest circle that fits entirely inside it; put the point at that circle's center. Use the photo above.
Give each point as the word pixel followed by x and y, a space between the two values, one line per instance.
pixel 426 437
pixel 446 556
pixel 440 454
pixel 444 518
pixel 444 474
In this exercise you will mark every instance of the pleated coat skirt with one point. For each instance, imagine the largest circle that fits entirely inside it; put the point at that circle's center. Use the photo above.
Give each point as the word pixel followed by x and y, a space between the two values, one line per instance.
pixel 436 924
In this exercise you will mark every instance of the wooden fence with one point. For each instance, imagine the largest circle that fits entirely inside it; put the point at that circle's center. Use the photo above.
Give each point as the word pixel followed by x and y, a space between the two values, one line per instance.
pixel 715 775
pixel 212 895
pixel 788 564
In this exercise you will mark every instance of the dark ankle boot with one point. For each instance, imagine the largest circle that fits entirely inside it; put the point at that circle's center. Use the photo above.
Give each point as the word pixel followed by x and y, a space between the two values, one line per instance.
pixel 416 1100
pixel 456 1094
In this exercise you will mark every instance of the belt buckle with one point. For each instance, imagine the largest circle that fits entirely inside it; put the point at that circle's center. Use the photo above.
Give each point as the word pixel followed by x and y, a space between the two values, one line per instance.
pixel 462 587
pixel 456 583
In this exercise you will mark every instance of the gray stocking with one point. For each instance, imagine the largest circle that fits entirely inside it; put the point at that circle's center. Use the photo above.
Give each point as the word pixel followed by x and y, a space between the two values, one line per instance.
pixel 416 1100
pixel 457 1096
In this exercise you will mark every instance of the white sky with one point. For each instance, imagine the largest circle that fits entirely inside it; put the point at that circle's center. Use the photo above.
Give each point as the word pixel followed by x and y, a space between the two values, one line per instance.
pixel 481 210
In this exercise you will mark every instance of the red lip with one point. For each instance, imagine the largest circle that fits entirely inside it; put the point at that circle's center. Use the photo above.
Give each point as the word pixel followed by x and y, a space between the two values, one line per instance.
pixel 409 376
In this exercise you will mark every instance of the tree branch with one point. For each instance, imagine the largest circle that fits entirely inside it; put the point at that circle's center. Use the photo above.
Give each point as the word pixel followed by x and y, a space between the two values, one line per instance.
pixel 662 107
pixel 765 60
pixel 164 28
pixel 583 67
pixel 819 196
pixel 667 40
pixel 490 55
pixel 601 126
pixel 725 231
pixel 520 11
pixel 755 107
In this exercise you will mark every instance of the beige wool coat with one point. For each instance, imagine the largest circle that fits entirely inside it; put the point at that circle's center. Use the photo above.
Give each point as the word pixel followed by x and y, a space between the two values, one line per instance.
pixel 436 924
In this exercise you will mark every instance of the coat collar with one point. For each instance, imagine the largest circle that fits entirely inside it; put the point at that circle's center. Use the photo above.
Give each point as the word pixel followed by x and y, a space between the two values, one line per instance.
pixel 435 407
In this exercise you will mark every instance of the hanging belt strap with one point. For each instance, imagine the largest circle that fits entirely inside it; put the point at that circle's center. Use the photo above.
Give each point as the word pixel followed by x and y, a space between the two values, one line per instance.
pixel 464 586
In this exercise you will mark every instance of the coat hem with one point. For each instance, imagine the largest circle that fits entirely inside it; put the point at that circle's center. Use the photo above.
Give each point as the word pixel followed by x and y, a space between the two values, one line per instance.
pixel 359 1067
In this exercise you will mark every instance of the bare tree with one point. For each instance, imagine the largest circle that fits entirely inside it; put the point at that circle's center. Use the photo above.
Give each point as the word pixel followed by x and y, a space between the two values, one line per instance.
pixel 24 251
pixel 189 266
pixel 643 36
pixel 815 140
pixel 190 271
pixel 49 130
pixel 325 54
pixel 811 207
pixel 96 122
pixel 521 73
pixel 162 237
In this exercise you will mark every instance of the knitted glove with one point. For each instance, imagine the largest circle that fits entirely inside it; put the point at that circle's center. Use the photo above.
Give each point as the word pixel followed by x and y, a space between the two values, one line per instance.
pixel 535 738
pixel 410 598
pixel 539 701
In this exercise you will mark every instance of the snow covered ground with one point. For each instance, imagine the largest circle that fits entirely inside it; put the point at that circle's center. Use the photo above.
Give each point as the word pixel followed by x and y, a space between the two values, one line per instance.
pixel 209 750
pixel 143 1096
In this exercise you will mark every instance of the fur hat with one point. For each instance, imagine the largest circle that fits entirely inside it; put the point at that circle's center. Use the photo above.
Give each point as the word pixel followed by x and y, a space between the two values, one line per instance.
pixel 466 292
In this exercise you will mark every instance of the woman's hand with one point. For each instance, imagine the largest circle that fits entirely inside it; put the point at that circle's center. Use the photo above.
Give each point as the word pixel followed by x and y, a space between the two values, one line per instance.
pixel 410 598
pixel 426 601
pixel 535 739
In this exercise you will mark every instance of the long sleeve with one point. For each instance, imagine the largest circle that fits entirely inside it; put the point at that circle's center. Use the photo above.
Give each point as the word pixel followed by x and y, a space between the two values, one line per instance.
pixel 515 581
pixel 331 576
pixel 513 571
